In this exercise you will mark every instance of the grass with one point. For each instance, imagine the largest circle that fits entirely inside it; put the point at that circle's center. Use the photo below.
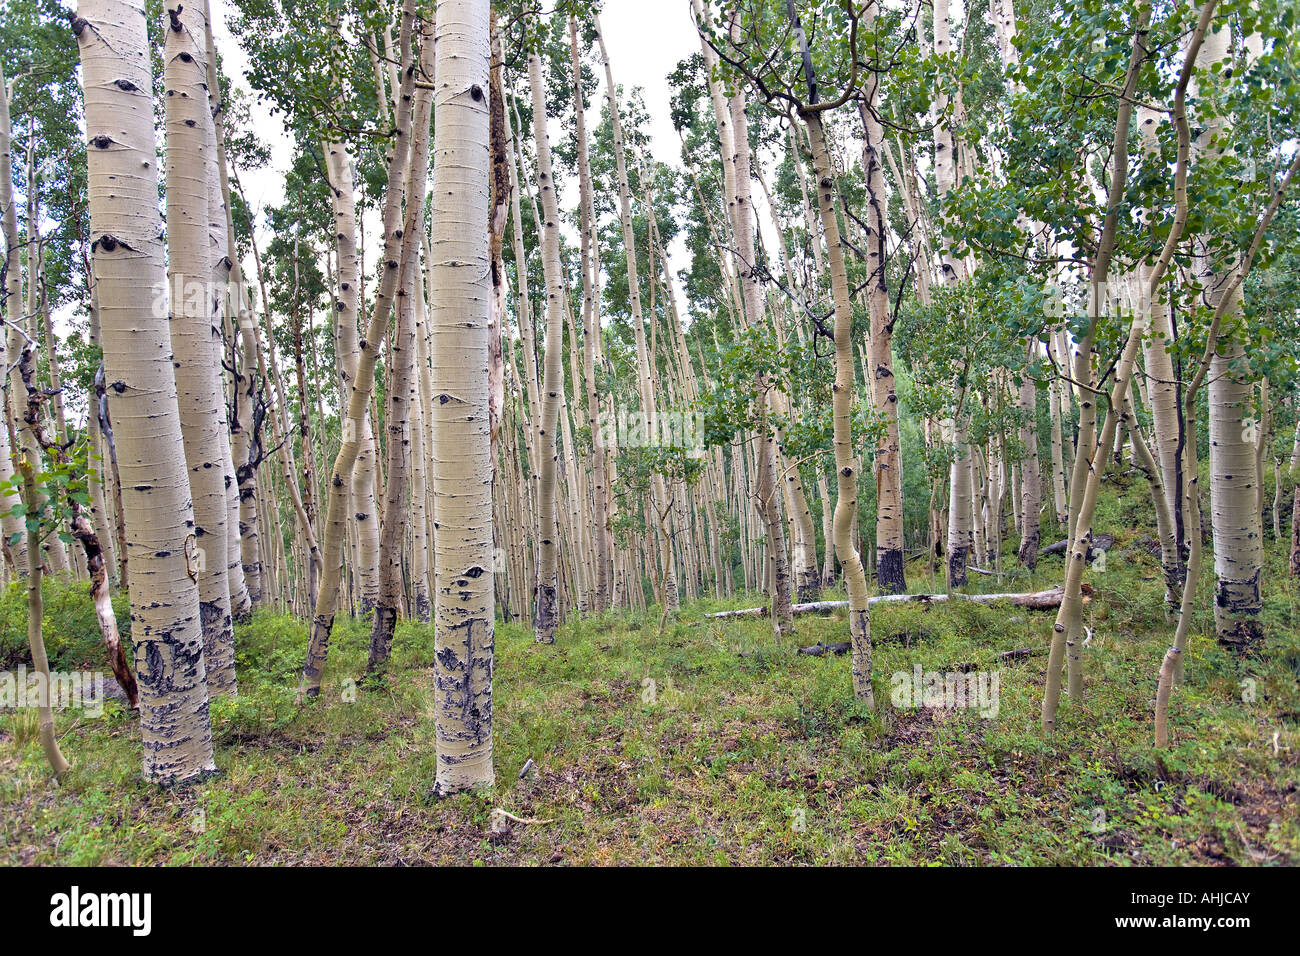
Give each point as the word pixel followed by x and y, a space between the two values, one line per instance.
pixel 712 744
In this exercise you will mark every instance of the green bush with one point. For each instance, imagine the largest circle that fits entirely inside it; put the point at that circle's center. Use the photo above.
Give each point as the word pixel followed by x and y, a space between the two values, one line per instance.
pixel 71 631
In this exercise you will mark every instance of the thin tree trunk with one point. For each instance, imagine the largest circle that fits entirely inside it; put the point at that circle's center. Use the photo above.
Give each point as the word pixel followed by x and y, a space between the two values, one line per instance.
pixel 36 639
pixel 402 386
pixel 658 492
pixel 546 613
pixel 846 465
pixel 1031 493
pixel 15 535
pixel 603 557
pixel 765 487
pixel 888 453
pixel 359 400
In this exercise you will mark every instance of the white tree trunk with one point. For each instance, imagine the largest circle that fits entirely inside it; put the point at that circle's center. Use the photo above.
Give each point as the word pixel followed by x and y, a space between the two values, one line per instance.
pixel 200 395
pixel 126 236
pixel 464 602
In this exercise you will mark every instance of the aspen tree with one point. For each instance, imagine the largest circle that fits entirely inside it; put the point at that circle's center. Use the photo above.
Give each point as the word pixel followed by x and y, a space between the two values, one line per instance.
pixel 15 537
pixel 1234 476
pixel 496 235
pixel 359 399
pixel 127 251
pixel 1162 390
pixel 1067 631
pixel 421 546
pixel 589 252
pixel 1171 666
pixel 806 575
pixel 961 517
pixel 884 393
pixel 402 386
pixel 461 429
pixel 338 164
pixel 36 639
pixel 546 613
pixel 21 328
pixel 846 463
pixel 189 271
pixel 765 486
pixel 245 562
pixel 658 501
pixel 222 264
pixel 99 451
pixel 1031 494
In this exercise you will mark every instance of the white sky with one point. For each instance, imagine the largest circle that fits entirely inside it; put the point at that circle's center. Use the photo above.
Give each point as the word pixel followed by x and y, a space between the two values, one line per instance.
pixel 645 39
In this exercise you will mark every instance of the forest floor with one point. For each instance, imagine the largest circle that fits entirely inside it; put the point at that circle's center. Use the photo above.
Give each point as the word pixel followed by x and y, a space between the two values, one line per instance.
pixel 742 751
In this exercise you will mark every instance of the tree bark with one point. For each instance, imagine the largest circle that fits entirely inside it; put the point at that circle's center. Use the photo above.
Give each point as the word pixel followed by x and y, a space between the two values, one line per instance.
pixel 359 399
pixel 846 465
pixel 15 536
pixel 546 612
pixel 461 428
pixel 1031 493
pixel 200 397
pixel 127 248
pixel 401 391
pixel 888 458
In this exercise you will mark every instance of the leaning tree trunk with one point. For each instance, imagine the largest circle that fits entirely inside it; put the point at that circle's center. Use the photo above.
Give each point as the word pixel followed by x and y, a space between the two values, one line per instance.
pixel 1068 629
pixel 126 242
pixel 359 400
pixel 401 390
pixel 464 608
pixel 79 526
pixel 200 395
pixel 338 163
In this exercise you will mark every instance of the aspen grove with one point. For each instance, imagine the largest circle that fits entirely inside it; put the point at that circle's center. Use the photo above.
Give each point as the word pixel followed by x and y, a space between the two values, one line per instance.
pixel 895 391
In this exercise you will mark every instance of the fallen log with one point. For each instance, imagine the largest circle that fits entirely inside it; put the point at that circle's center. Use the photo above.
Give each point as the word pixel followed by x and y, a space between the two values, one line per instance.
pixel 821 650
pixel 1018 654
pixel 843 647
pixel 1034 600
pixel 1100 543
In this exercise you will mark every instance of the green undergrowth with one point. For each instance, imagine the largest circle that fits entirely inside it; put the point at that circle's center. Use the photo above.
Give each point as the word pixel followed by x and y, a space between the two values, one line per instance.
pixel 708 742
